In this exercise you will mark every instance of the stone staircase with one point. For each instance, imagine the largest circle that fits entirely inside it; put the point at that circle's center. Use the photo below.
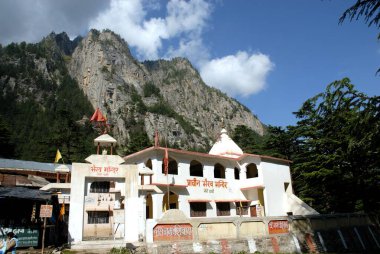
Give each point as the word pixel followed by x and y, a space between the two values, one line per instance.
pixel 101 245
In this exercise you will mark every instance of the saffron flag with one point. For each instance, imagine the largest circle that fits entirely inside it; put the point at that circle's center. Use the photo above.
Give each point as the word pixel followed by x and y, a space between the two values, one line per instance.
pixel 62 212
pixel 58 156
pixel 97 116
pixel 166 162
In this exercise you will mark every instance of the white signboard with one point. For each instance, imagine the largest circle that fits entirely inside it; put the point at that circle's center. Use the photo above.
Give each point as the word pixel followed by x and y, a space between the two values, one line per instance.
pixel 118 216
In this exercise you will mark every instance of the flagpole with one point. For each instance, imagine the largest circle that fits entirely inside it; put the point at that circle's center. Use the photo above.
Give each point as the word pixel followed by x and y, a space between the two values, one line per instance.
pixel 167 185
pixel 167 174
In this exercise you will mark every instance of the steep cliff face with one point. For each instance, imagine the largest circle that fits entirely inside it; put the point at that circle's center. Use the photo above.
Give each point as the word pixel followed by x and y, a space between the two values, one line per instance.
pixel 166 95
pixel 40 104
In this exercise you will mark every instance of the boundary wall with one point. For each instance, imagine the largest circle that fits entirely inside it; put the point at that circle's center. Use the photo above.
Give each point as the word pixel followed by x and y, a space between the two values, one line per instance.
pixel 283 234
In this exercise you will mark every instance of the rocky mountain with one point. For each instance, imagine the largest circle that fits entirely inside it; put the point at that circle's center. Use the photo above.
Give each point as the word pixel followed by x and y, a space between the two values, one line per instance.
pixel 166 94
pixel 137 97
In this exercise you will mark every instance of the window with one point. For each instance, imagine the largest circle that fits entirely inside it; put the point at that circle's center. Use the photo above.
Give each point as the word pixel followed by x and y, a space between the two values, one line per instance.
pixel 237 172
pixel 219 171
pixel 287 188
pixel 97 217
pixel 100 187
pixel 223 209
pixel 241 208
pixel 196 168
pixel 148 164
pixel 252 171
pixel 172 203
pixel 173 167
pixel 198 209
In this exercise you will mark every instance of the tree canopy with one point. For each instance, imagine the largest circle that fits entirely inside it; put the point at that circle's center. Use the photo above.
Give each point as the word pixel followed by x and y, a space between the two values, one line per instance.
pixel 40 113
pixel 335 149
pixel 367 8
pixel 338 132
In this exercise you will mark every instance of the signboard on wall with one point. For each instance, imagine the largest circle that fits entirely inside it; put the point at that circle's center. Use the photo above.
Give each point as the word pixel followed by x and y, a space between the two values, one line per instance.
pixel 172 232
pixel 118 216
pixel 278 227
pixel 27 237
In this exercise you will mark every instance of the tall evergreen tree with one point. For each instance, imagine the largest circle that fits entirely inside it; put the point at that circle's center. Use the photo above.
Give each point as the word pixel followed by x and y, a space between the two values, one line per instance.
pixel 336 150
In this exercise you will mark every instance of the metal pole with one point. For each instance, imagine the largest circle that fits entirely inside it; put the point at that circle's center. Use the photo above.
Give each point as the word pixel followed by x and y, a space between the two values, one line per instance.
pixel 43 236
pixel 167 181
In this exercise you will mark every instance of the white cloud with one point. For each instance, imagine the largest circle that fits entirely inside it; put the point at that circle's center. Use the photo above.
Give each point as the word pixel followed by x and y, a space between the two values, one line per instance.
pixel 193 49
pixel 239 74
pixel 31 20
pixel 184 19
pixel 176 30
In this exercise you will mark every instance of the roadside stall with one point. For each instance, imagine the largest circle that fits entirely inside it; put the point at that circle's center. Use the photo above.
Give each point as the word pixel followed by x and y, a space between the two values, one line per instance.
pixel 19 213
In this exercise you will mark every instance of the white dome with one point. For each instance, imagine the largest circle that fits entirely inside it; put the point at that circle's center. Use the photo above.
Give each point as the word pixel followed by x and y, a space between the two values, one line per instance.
pixel 225 146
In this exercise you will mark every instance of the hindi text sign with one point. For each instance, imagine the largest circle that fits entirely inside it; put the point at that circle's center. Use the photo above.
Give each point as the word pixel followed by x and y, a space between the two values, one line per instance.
pixel 278 227
pixel 46 211
pixel 171 232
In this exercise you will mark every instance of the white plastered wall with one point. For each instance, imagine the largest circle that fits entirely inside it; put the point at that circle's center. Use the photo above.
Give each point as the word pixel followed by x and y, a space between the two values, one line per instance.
pixel 78 190
pixel 274 176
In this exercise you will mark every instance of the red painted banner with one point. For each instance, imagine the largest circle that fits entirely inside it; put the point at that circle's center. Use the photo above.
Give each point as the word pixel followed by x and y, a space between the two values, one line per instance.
pixel 278 227
pixel 172 232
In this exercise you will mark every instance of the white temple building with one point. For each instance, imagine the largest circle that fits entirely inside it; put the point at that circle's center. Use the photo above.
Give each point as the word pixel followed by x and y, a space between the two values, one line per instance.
pixel 224 182
pixel 126 197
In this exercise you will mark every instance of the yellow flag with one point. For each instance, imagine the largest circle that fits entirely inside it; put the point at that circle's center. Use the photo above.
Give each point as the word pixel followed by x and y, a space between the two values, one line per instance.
pixel 58 156
pixel 61 212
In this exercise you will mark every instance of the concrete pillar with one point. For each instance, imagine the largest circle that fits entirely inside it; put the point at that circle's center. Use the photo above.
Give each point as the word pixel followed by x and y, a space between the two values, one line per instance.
pixel 157 168
pixel 211 213
pixel 132 205
pixel 183 169
pixel 157 205
pixel 184 205
pixel 208 172
pixel 243 172
pixel 142 214
pixel 230 174
pixel 76 203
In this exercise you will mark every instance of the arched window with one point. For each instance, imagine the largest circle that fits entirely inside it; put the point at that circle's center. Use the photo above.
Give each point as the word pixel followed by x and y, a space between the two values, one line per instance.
pixel 237 173
pixel 219 171
pixel 173 167
pixel 100 187
pixel 173 201
pixel 196 168
pixel 252 171
pixel 148 164
pixel 149 207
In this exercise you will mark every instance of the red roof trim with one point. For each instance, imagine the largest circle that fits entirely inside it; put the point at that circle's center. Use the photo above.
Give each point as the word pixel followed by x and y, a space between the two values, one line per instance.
pixel 199 200
pixel 205 154
pixel 231 200
pixel 265 157
pixel 152 148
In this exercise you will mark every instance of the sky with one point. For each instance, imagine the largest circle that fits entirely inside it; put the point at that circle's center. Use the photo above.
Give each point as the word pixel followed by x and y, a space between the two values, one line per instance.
pixel 270 55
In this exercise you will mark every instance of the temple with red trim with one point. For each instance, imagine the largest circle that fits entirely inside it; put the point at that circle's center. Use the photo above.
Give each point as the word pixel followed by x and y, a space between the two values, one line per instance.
pixel 153 194
pixel 223 182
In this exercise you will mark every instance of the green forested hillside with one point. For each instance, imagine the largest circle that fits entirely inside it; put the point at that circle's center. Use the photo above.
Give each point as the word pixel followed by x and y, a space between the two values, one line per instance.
pixel 40 105
pixel 335 149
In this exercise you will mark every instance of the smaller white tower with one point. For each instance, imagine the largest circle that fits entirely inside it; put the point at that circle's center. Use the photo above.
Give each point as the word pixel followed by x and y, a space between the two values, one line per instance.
pixel 225 146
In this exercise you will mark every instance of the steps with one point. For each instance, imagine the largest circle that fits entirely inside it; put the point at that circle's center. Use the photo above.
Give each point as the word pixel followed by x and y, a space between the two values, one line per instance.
pixel 98 244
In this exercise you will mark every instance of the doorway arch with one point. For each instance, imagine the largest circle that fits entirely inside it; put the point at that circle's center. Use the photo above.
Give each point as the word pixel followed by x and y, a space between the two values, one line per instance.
pixel 173 201
pixel 149 207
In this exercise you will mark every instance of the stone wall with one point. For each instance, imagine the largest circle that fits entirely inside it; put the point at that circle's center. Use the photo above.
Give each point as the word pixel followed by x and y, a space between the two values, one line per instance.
pixel 305 234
